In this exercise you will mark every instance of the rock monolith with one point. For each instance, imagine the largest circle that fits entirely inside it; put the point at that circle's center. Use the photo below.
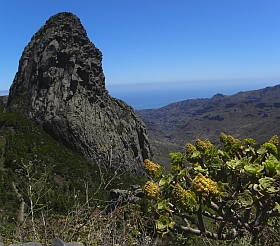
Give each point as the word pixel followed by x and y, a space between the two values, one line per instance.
pixel 61 85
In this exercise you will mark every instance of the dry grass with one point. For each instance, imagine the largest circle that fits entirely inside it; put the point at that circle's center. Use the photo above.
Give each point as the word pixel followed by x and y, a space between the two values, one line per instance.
pixel 90 226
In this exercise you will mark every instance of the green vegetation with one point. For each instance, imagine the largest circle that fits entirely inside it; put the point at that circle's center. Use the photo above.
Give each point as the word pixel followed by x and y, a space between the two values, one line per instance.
pixel 225 194
pixel 49 179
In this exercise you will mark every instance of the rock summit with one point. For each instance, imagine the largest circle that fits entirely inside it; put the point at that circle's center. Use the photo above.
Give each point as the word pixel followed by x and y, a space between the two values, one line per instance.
pixel 61 85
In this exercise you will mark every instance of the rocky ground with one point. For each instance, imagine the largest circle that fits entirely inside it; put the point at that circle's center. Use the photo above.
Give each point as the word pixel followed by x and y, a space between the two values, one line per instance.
pixel 56 242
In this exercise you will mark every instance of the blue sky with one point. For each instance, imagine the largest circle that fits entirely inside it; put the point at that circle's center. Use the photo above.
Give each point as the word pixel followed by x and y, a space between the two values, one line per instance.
pixel 149 41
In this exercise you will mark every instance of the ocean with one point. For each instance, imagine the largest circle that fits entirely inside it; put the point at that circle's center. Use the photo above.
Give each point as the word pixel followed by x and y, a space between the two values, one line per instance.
pixel 157 95
pixel 156 98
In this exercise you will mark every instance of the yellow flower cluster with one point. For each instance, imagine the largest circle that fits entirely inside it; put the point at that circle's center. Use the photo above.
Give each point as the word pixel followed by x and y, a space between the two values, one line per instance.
pixel 183 197
pixel 223 137
pixel 151 190
pixel 274 140
pixel 190 148
pixel 202 145
pixel 228 139
pixel 152 168
pixel 204 185
pixel 232 140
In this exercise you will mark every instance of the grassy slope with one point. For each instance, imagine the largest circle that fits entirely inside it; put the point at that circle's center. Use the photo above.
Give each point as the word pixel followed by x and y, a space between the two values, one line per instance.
pixel 68 173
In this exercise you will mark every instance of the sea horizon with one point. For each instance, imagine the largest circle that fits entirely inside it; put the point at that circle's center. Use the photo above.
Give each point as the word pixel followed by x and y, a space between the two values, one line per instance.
pixel 157 95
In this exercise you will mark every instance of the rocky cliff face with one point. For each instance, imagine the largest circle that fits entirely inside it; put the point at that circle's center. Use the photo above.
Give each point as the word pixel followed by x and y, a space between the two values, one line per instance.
pixel 60 84
pixel 3 100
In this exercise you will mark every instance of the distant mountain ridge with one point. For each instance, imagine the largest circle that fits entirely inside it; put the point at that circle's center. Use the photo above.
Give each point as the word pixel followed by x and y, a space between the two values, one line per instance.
pixel 253 114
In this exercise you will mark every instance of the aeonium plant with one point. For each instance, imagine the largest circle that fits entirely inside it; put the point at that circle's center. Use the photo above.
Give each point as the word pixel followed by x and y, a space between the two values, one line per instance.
pixel 236 187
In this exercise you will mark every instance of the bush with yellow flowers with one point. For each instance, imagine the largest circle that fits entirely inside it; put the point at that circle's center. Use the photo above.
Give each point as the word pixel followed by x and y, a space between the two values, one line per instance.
pixel 153 169
pixel 204 186
pixel 151 190
pixel 235 187
pixel 185 199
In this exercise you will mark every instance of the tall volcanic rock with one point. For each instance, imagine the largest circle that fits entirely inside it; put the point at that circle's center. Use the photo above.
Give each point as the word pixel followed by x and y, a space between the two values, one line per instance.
pixel 60 84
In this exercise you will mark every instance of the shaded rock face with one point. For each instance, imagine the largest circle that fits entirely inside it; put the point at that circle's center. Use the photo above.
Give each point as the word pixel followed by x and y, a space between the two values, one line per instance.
pixel 3 100
pixel 60 84
pixel 119 197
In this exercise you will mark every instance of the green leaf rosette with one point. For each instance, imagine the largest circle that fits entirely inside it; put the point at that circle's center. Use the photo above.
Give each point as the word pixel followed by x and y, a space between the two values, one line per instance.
pixel 254 169
pixel 272 166
pixel 234 165
pixel 163 223
pixel 265 186
pixel 245 199
pixel 166 180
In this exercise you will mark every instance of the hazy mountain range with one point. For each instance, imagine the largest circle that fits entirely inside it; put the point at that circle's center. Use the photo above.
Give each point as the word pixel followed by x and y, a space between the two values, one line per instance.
pixel 253 114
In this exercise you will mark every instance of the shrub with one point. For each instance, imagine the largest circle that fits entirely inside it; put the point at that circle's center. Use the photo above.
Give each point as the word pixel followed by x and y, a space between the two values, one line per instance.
pixel 223 193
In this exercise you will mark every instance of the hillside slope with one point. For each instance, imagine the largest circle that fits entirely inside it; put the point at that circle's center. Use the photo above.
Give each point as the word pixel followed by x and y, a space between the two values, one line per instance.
pixel 26 151
pixel 253 114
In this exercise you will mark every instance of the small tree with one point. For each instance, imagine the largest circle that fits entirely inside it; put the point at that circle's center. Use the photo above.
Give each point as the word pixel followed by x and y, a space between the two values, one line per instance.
pixel 236 188
pixel 31 191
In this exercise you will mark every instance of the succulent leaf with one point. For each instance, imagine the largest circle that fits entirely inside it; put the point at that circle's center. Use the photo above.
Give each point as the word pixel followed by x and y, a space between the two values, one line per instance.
pixel 271 165
pixel 163 223
pixel 162 205
pixel 234 165
pixel 254 169
pixel 165 181
pixel 245 199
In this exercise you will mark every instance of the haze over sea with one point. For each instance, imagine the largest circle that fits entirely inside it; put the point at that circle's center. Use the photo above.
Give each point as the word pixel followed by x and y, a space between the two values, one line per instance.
pixel 156 95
